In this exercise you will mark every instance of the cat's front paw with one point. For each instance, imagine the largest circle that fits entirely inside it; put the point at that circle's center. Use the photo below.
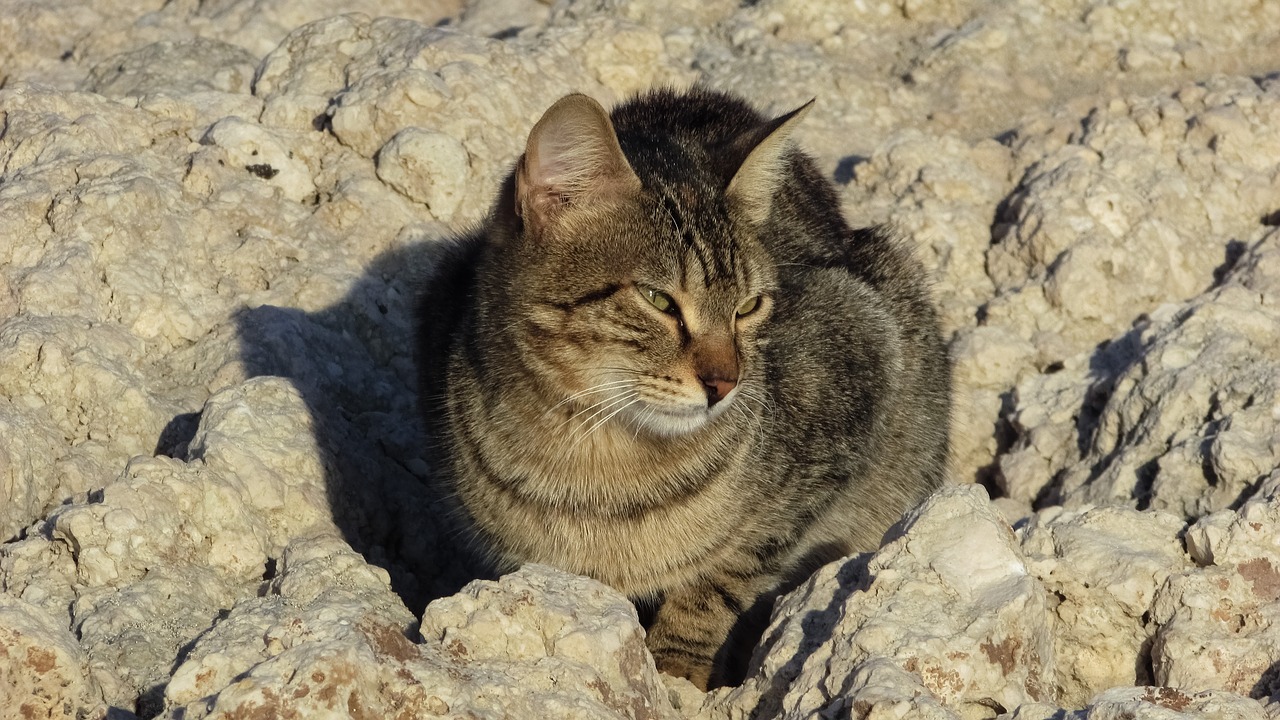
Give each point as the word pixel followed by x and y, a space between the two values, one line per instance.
pixel 682 666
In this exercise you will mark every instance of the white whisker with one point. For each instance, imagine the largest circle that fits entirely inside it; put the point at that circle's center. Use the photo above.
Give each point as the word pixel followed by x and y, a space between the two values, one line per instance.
pixel 606 419
pixel 593 389
pixel 612 402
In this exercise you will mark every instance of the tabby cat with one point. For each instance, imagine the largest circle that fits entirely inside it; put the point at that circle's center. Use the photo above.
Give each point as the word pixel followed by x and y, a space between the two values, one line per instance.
pixel 665 361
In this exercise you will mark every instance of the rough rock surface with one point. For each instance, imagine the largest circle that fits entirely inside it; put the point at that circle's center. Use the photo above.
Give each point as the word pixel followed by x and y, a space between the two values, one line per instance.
pixel 213 216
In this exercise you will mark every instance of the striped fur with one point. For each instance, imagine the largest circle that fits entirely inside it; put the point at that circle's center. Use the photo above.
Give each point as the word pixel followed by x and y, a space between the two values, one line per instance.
pixel 699 460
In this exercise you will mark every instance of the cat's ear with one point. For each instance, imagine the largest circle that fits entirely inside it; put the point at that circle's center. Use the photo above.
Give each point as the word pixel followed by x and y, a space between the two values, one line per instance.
pixel 757 178
pixel 572 157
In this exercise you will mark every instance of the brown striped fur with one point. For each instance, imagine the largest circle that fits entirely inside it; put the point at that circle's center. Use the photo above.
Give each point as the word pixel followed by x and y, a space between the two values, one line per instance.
pixel 696 458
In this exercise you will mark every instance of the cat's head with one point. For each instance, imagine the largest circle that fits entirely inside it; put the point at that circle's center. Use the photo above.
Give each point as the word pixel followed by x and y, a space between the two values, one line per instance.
pixel 641 289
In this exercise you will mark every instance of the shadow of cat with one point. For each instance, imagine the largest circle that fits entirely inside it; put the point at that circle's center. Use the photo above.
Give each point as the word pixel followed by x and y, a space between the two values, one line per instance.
pixel 353 363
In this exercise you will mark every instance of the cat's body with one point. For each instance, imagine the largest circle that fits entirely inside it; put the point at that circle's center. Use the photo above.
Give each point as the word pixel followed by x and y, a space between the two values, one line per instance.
pixel 667 362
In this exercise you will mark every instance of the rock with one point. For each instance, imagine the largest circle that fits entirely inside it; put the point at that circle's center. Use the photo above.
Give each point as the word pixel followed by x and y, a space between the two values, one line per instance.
pixel 258 151
pixel 539 643
pixel 1218 629
pixel 946 613
pixel 213 216
pixel 1138 177
pixel 1153 703
pixel 1180 413
pixel 175 69
pixel 1250 533
pixel 1218 623
pixel 428 167
pixel 1104 567
pixel 44 672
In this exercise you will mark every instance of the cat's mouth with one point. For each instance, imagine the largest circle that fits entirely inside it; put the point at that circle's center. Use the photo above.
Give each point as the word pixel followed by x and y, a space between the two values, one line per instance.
pixel 672 420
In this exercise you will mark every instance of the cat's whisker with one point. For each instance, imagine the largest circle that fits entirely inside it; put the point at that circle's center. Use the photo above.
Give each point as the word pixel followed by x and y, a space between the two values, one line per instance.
pixel 760 398
pixel 614 384
pixel 759 422
pixel 607 405
pixel 605 402
pixel 606 419
pixel 648 412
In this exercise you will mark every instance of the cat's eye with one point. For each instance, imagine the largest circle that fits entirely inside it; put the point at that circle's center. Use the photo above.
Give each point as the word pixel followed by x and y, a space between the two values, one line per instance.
pixel 749 306
pixel 660 300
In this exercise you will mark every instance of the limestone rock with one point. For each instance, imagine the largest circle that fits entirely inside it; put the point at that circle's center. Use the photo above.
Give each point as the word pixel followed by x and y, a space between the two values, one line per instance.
pixel 213 216
pixel 44 672
pixel 538 643
pixel 175 69
pixel 1219 625
pixel 945 617
pixel 1138 181
pixel 429 167
pixel 1181 411
pixel 1151 703
pixel 1104 566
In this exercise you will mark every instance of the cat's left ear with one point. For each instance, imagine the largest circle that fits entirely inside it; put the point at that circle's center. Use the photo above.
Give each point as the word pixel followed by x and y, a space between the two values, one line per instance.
pixel 572 157
pixel 758 177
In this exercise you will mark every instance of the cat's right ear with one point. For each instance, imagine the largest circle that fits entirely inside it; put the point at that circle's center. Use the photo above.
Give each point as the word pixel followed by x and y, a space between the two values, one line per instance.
pixel 572 157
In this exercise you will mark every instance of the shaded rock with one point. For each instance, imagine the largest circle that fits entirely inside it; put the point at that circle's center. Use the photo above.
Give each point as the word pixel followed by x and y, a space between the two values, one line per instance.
pixel 1180 413
pixel 1219 625
pixel 948 606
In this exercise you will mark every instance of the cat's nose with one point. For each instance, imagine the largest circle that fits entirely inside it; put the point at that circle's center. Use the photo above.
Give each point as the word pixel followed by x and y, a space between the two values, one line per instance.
pixel 717 389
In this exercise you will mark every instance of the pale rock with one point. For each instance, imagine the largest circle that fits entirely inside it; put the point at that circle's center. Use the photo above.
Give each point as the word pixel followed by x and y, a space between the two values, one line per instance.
pixel 1178 414
pixel 1249 533
pixel 384 75
pixel 318 595
pixel 1219 625
pixel 1219 629
pixel 44 673
pixel 137 599
pixel 1104 566
pixel 264 154
pixel 259 437
pixel 554 635
pixel 428 167
pixel 502 18
pixel 947 605
pixel 538 643
pixel 1165 703
pixel 1150 703
pixel 175 69
pixel 59 42
pixel 1124 217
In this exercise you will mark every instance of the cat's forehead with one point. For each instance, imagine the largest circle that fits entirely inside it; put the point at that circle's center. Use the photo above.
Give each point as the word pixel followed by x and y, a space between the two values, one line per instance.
pixel 698 240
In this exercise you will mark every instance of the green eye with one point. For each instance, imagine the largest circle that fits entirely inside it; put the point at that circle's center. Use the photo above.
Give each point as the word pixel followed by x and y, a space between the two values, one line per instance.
pixel 660 300
pixel 749 306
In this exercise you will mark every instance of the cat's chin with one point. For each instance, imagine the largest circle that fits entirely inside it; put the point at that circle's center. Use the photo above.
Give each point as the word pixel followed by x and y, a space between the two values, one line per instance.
pixel 674 422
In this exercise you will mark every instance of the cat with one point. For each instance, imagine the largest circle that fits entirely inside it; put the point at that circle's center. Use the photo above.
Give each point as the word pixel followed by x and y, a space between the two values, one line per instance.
pixel 665 361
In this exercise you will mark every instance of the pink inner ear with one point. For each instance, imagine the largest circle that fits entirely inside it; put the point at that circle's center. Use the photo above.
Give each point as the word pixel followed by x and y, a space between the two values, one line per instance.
pixel 572 152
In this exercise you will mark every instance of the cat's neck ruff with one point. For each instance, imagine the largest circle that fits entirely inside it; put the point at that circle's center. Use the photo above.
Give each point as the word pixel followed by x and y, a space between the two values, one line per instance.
pixel 605 466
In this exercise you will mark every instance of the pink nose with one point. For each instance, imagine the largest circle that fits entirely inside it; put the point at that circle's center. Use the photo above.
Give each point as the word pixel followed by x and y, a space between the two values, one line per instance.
pixel 717 389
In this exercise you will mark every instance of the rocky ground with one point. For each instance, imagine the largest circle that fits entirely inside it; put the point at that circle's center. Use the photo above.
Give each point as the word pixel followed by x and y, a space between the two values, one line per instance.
pixel 212 215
